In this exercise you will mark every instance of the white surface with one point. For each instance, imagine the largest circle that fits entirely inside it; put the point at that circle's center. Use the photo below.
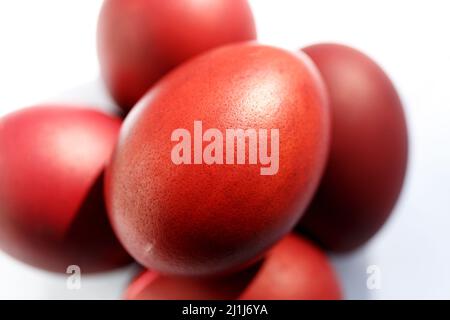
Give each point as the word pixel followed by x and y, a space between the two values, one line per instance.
pixel 47 53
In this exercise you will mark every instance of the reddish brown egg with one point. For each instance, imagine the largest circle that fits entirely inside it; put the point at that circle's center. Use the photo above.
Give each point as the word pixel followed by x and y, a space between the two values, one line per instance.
pixel 52 212
pixel 141 40
pixel 368 152
pixel 190 211
pixel 294 269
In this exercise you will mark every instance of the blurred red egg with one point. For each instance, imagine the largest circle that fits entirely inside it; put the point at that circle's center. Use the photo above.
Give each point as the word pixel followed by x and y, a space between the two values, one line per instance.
pixel 52 212
pixel 152 286
pixel 294 269
pixel 139 41
pixel 210 212
pixel 368 153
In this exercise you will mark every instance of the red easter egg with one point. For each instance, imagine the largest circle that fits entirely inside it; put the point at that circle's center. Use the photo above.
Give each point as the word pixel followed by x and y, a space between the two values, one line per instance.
pixel 368 152
pixel 219 205
pixel 52 212
pixel 139 41
pixel 150 285
pixel 294 269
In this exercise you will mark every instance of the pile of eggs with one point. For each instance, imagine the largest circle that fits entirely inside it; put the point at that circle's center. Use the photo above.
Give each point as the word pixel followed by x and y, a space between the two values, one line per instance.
pixel 237 166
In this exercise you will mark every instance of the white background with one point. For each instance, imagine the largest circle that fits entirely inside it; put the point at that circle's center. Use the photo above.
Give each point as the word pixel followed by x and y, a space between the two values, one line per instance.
pixel 47 53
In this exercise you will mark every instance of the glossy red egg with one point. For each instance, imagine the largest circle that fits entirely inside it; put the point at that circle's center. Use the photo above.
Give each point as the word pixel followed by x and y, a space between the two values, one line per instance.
pixel 368 152
pixel 52 212
pixel 139 41
pixel 198 216
pixel 294 269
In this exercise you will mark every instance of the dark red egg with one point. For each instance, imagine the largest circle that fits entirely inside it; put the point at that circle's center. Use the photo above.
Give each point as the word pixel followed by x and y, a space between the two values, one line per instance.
pixel 368 153
pixel 294 269
pixel 139 41
pixel 52 212
pixel 206 209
